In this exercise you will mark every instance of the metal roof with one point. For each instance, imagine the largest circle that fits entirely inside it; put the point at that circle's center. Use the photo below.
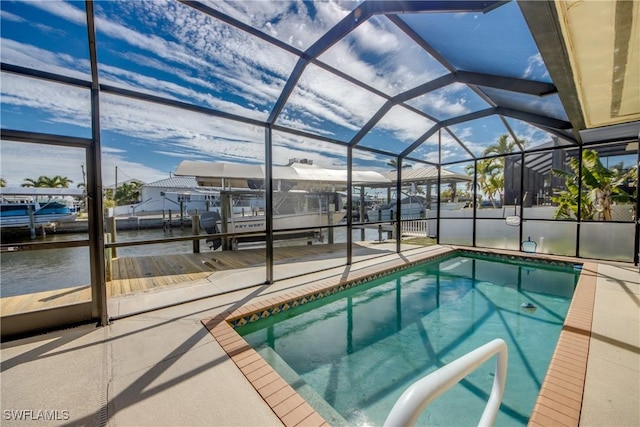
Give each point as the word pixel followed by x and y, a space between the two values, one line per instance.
pixel 174 182
pixel 304 175
pixel 428 175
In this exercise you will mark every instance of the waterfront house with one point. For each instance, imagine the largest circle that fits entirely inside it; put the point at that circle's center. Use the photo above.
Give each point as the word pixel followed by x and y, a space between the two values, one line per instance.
pixel 141 332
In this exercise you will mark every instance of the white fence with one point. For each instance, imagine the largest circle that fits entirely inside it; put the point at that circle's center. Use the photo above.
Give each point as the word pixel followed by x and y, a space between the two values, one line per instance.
pixel 419 228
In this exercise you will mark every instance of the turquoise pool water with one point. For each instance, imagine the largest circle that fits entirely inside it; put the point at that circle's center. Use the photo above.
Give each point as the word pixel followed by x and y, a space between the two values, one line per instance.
pixel 351 355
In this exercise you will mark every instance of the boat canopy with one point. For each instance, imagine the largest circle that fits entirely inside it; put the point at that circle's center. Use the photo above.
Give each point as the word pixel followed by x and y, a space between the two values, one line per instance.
pixel 427 176
pixel 40 191
pixel 300 176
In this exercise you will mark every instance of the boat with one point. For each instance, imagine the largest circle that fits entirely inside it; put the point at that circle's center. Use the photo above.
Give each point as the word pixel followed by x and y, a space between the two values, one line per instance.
pixel 295 214
pixel 413 207
pixel 48 206
pixel 14 215
pixel 305 196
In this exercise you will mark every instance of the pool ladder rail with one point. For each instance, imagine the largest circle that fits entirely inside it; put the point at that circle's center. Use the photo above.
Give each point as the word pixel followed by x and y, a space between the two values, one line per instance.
pixel 424 391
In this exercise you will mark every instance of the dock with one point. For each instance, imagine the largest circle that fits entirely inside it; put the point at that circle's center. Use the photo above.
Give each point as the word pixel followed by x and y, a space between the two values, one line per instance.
pixel 132 275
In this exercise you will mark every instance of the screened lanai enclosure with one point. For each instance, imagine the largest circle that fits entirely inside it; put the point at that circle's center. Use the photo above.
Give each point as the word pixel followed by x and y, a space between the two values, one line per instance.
pixel 226 144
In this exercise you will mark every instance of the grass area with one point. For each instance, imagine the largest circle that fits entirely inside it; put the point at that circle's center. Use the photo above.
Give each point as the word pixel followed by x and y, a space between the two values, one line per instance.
pixel 423 241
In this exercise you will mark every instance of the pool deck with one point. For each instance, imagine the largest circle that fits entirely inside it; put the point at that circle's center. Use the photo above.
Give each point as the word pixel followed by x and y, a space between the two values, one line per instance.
pixel 165 368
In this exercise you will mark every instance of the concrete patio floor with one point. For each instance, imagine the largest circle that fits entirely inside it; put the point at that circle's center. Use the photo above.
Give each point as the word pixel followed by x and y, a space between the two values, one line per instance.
pixel 163 367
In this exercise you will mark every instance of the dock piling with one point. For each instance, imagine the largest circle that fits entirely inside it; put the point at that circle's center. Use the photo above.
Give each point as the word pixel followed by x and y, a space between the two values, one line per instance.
pixel 195 226
pixel 108 271
pixel 32 224
pixel 111 229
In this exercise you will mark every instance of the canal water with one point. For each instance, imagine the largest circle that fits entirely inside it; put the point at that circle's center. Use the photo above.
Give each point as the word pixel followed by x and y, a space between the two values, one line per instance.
pixel 23 272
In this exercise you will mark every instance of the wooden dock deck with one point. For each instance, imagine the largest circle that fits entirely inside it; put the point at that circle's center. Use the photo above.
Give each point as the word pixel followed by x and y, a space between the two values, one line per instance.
pixel 139 274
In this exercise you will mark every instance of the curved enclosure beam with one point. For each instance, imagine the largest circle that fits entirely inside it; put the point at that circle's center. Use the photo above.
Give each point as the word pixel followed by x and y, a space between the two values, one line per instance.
pixel 500 82
pixel 530 87
pixel 533 118
pixel 391 9
pixel 445 123
pixel 357 17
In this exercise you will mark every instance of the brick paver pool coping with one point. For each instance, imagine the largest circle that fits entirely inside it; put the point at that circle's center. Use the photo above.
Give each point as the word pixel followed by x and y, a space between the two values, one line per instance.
pixel 560 398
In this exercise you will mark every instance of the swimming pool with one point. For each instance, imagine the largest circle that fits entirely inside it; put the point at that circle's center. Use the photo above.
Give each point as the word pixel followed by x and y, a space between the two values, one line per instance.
pixel 352 354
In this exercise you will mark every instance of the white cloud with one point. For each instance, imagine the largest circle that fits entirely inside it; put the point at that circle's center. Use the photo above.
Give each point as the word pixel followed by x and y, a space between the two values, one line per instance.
pixel 180 132
pixel 202 44
pixel 10 16
pixel 535 68
pixel 451 149
pixel 61 103
pixel 288 21
pixel 64 10
pixel 533 135
pixel 333 99
pixel 182 156
pixel 112 150
pixel 182 54
pixel 405 124
pixel 15 52
pixel 381 55
pixel 171 129
pixel 23 160
pixel 449 101
pixel 372 37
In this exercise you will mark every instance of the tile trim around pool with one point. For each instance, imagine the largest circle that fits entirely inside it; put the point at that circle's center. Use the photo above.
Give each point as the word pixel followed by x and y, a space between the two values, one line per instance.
pixel 560 397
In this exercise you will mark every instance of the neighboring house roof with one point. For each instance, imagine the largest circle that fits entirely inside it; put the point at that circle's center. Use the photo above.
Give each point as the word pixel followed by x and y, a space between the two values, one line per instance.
pixel 177 183
pixel 174 182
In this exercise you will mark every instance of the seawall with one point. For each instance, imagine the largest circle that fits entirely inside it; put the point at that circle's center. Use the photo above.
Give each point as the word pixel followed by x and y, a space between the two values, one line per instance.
pixel 122 224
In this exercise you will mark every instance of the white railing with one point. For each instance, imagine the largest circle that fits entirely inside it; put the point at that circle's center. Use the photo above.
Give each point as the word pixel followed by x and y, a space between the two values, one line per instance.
pixel 424 391
pixel 417 227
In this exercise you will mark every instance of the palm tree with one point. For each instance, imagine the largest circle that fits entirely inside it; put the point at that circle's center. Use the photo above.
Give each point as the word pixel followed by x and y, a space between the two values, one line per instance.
pixel 394 164
pixel 62 181
pixel 600 189
pixel 107 200
pixel 490 178
pixel 495 181
pixel 632 176
pixel 48 182
pixel 30 182
pixel 495 185
pixel 128 193
pixel 502 146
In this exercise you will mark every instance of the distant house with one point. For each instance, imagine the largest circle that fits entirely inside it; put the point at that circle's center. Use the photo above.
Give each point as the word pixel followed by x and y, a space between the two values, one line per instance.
pixel 170 195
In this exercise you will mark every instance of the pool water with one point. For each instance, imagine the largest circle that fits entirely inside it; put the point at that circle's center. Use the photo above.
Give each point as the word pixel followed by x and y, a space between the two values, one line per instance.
pixel 352 355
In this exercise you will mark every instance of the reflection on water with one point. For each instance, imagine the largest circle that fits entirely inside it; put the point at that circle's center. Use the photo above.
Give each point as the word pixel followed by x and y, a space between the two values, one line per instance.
pixel 33 271
pixel 25 272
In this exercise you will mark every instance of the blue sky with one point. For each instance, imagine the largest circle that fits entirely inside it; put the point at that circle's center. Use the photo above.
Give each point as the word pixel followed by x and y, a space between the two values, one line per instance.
pixel 167 49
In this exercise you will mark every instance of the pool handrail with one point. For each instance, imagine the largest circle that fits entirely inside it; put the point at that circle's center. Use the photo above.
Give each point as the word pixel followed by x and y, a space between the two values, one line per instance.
pixel 421 393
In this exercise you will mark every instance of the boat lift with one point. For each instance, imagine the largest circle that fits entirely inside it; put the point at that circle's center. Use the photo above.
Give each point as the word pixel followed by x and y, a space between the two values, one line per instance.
pixel 32 195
